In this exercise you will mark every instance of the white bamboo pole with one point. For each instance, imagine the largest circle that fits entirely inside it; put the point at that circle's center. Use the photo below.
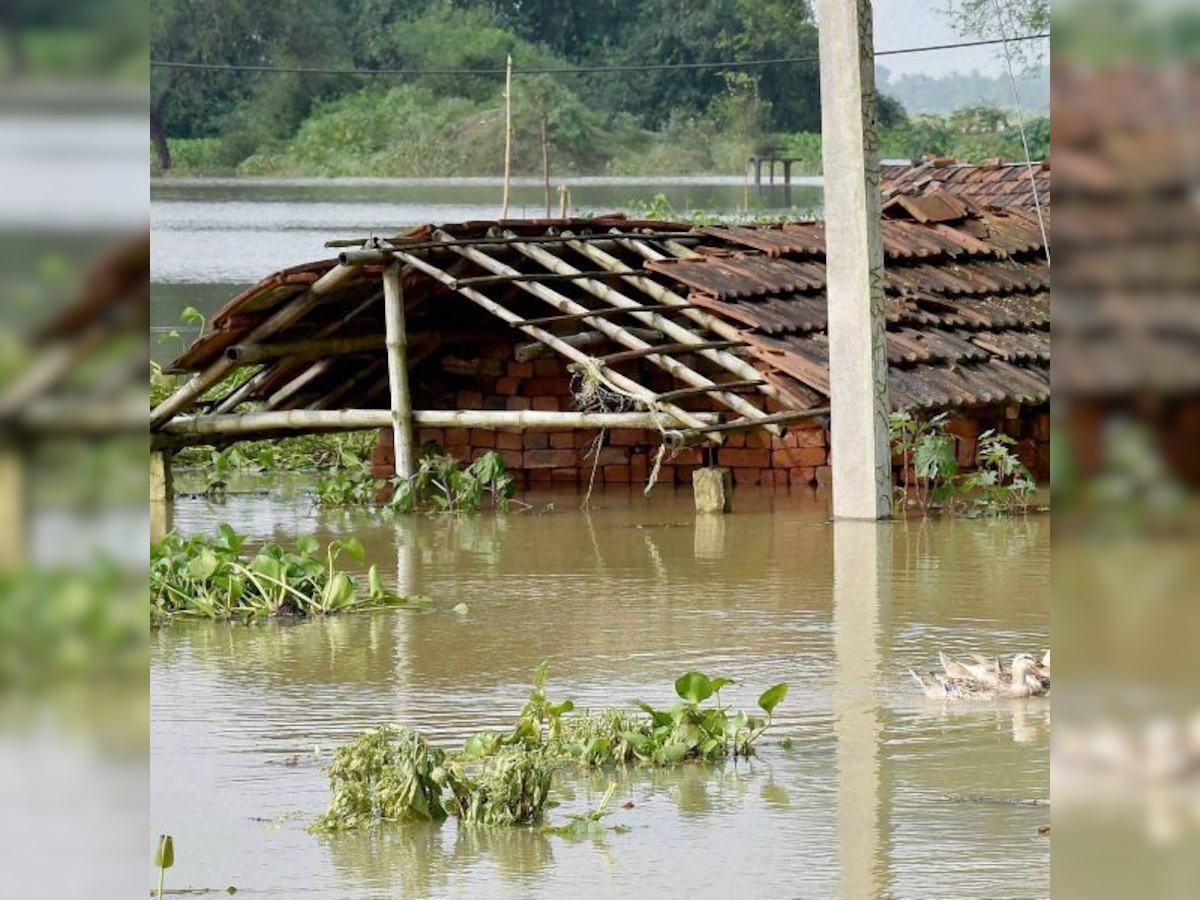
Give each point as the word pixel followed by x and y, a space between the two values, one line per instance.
pixel 396 342
pixel 362 419
pixel 507 134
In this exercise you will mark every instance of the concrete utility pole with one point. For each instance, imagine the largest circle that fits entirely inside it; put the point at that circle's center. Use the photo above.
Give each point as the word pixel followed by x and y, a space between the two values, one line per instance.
pixel 862 474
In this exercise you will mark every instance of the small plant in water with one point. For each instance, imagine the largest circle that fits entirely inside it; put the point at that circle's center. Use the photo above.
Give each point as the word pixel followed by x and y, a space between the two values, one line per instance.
pixel 999 485
pixel 443 484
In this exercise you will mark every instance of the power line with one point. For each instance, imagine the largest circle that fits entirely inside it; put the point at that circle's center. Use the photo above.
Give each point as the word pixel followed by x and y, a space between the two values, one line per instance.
pixel 571 70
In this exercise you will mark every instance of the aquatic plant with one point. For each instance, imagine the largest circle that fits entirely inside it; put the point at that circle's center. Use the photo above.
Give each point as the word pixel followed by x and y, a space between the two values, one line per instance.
pixel 999 485
pixel 443 484
pixel 392 774
pixel 213 578
pixel 388 774
pixel 164 858
pixel 589 824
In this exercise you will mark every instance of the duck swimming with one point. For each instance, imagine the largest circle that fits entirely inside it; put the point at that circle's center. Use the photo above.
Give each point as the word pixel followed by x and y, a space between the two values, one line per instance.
pixel 1020 682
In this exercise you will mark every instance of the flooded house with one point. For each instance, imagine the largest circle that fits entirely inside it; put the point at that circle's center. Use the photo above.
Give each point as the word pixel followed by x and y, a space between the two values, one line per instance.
pixel 604 350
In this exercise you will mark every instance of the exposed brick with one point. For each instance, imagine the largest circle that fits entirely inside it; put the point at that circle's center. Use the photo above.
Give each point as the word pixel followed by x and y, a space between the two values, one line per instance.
pixel 514 460
pixel 1041 426
pixel 535 440
pixel 539 476
pixel 383 471
pixel 689 456
pixel 550 404
pixel 461 452
pixel 548 366
pixel 1027 451
pixel 509 441
pixel 546 386
pixel 568 475
pixel 809 437
pixel 518 403
pixel 735 441
pixel 520 369
pixel 430 436
pixel 458 436
pixel 561 440
pixel 963 427
pixel 627 437
pixel 801 475
pixel 966 450
pixel 683 474
pixel 639 467
pixel 491 366
pixel 550 459
pixel 494 401
pixel 823 475
pixel 508 386
pixel 384 456
pixel 781 477
pixel 759 439
pixel 469 400
pixel 746 476
pixel 801 456
pixel 615 475
pixel 666 474
pixel 611 456
pixel 737 458
pixel 386 437
pixel 481 437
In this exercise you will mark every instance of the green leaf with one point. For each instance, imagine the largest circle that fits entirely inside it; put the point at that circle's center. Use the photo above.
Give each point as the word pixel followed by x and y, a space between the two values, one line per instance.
pixel 307 545
pixel 674 752
pixel 192 316
pixel 718 683
pixel 772 697
pixel 694 687
pixel 164 854
pixel 203 565
pixel 353 546
pixel 560 709
pixel 539 674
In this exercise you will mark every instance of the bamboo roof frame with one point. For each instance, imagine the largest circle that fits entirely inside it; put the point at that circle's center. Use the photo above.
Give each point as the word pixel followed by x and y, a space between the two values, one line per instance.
pixel 628 284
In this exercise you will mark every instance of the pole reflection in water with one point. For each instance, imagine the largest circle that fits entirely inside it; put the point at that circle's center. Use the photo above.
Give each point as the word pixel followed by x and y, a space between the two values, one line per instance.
pixel 861 553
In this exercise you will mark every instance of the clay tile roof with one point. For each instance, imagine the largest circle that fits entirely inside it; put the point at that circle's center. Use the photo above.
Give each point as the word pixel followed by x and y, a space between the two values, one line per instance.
pixel 995 183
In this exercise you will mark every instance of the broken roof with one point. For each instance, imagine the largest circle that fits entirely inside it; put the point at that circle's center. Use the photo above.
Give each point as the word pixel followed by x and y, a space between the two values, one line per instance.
pixel 967 289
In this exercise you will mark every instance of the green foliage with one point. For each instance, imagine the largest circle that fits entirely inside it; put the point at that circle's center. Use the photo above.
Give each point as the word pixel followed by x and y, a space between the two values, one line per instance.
pixel 999 485
pixel 392 775
pixel 589 824
pixel 387 775
pixel 214 579
pixel 442 484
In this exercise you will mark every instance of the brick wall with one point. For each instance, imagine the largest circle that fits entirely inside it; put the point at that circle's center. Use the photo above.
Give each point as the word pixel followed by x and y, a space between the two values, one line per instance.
pixel 493 379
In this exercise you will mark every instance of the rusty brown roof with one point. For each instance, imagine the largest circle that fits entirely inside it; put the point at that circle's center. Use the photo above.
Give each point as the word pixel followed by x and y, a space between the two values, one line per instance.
pixel 968 303
pixel 995 183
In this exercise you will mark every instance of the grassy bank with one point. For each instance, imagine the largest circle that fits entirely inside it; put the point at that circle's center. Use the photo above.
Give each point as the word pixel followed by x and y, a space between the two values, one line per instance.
pixel 408 132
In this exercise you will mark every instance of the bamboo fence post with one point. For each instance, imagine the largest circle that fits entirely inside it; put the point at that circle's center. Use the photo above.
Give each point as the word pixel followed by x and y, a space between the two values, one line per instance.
pixel 564 201
pixel 396 342
pixel 546 164
pixel 507 134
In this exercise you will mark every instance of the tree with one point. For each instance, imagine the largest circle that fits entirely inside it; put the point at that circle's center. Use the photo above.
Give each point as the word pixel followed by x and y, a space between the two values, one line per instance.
pixel 979 19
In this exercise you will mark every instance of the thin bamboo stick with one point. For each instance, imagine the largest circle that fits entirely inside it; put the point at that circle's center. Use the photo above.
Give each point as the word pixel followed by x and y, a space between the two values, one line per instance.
pixel 606 237
pixel 507 133
pixel 626 384
pixel 251 384
pixel 546 163
pixel 668 297
pixel 626 355
pixel 252 353
pixel 397 359
pixel 291 313
pixel 666 326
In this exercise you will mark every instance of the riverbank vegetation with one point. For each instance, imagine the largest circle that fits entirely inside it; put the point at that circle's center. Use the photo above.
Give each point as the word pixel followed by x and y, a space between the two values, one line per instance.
pixel 444 116
pixel 391 775
pixel 217 578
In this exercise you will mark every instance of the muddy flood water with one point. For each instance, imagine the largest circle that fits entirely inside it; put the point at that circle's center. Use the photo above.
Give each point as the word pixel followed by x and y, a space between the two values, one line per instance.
pixel 863 789
pixel 874 791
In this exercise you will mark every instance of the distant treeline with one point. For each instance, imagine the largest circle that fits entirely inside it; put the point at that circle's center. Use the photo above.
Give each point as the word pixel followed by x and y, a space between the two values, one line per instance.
pixel 647 121
pixel 950 93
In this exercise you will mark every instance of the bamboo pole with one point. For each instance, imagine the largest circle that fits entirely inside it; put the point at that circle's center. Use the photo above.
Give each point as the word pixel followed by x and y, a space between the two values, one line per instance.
pixel 254 382
pixel 580 340
pixel 660 323
pixel 507 133
pixel 564 201
pixel 362 419
pixel 252 353
pixel 291 313
pixel 690 420
pixel 397 358
pixel 546 164
pixel 669 298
